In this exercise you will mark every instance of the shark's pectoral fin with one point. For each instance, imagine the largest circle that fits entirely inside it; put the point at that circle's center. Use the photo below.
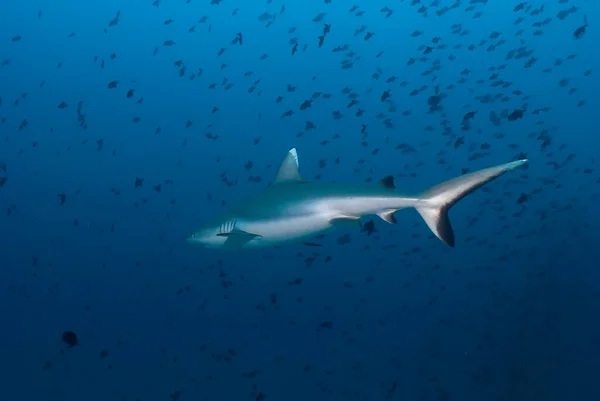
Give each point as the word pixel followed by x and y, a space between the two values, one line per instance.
pixel 237 238
pixel 388 216
pixel 345 221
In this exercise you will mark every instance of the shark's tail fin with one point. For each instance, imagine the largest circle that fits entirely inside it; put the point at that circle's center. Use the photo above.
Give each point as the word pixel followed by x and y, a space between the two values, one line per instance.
pixel 434 204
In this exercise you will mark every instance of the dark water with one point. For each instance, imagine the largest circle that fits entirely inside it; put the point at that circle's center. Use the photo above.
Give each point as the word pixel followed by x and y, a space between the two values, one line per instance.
pixel 125 125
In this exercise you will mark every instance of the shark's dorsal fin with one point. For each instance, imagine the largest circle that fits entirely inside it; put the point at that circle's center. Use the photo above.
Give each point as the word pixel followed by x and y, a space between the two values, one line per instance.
pixel 289 169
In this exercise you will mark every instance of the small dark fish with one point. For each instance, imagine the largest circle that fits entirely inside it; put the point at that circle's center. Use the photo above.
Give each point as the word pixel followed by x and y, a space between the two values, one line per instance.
pixel 238 39
pixel 368 227
pixel 306 104
pixel 469 116
pixel 321 40
pixel 515 115
pixel 70 338
pixel 579 32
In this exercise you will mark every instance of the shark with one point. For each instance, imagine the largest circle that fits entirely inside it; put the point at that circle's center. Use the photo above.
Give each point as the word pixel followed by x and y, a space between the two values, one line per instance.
pixel 291 209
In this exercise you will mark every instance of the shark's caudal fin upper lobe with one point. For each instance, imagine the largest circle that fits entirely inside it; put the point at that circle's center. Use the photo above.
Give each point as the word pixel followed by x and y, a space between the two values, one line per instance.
pixel 434 203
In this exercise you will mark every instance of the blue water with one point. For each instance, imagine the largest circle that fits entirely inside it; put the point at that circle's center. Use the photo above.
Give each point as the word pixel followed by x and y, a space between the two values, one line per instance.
pixel 508 314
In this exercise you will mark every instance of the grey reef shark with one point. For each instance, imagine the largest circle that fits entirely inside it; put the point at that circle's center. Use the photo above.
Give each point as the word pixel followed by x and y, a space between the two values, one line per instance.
pixel 292 209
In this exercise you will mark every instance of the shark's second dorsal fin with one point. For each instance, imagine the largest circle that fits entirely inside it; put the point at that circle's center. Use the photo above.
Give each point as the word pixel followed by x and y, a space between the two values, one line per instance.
pixel 289 169
pixel 388 182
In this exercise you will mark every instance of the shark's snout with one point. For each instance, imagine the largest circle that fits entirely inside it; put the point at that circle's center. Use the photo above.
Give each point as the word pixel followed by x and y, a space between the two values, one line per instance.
pixel 191 238
pixel 202 238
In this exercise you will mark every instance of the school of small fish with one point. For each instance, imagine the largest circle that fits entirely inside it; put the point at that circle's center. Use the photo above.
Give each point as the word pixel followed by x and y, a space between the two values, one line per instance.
pixel 120 127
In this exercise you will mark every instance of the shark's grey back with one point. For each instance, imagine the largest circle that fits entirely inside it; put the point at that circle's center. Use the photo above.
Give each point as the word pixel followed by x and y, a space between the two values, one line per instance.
pixel 293 197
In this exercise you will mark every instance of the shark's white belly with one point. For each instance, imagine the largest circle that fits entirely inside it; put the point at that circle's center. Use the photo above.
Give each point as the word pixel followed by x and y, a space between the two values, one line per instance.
pixel 286 229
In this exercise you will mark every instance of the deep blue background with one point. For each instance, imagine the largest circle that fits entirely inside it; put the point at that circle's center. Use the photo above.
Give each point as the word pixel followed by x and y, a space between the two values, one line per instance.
pixel 509 314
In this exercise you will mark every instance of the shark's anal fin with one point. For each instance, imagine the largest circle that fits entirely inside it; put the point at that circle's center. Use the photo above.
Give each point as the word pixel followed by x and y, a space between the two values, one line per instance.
pixel 237 238
pixel 345 221
pixel 388 216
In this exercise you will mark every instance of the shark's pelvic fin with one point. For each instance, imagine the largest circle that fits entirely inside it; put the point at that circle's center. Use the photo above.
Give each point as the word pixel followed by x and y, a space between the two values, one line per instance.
pixel 237 238
pixel 289 169
pixel 434 203
pixel 388 215
pixel 345 221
